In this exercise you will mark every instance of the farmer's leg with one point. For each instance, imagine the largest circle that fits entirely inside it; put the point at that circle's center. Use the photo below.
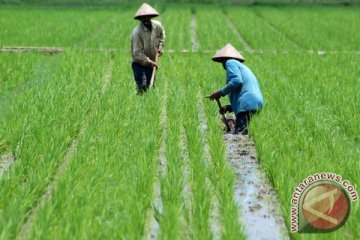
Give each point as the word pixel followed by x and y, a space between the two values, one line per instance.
pixel 242 122
pixel 149 71
pixel 140 77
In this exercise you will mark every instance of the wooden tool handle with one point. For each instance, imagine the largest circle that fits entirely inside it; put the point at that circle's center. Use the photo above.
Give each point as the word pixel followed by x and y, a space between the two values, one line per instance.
pixel 224 117
pixel 153 72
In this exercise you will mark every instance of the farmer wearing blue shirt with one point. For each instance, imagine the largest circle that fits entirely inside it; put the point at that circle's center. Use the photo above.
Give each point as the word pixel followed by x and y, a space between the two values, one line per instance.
pixel 241 86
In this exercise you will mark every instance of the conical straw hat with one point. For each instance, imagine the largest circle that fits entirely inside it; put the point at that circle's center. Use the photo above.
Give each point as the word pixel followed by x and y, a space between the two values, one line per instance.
pixel 227 52
pixel 146 10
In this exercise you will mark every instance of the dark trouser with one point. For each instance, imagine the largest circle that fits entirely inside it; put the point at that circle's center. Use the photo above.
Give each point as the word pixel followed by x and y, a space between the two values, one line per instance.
pixel 142 75
pixel 242 121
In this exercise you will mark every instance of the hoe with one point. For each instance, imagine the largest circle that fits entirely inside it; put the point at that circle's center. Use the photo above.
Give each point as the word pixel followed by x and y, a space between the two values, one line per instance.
pixel 225 120
pixel 153 72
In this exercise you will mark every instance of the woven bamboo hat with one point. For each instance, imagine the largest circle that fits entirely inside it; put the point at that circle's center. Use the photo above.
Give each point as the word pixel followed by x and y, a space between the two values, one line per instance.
pixel 146 10
pixel 227 52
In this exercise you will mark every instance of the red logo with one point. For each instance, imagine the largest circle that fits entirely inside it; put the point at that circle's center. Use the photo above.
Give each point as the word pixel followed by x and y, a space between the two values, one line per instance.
pixel 325 207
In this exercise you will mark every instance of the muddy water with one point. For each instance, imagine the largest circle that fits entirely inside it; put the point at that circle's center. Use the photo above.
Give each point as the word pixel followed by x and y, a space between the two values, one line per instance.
pixel 259 211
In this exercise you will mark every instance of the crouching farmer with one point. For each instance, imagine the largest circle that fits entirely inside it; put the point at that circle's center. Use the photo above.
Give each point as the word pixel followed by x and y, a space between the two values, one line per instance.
pixel 241 86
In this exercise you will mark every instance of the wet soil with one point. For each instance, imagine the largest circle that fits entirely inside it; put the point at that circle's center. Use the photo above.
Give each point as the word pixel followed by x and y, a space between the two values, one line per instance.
pixel 259 211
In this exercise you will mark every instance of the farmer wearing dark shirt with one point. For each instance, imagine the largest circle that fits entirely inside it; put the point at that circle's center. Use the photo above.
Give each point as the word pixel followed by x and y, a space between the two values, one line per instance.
pixel 241 86
pixel 147 40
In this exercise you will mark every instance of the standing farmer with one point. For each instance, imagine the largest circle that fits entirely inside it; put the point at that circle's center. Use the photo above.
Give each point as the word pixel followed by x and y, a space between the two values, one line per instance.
pixel 147 40
pixel 241 85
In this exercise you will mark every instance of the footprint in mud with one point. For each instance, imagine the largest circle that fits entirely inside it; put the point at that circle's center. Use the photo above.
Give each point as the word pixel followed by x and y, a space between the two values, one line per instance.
pixel 259 197
pixel 243 153
pixel 255 207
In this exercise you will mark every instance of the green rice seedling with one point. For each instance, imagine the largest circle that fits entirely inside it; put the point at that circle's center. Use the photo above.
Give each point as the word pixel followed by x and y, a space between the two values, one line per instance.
pixel 107 189
pixel 199 183
pixel 8 65
pixel 39 125
pixel 14 75
pixel 177 32
pixel 173 221
pixel 114 31
pixel 303 106
pixel 80 28
pixel 212 36
pixel 316 28
pixel 47 27
pixel 258 32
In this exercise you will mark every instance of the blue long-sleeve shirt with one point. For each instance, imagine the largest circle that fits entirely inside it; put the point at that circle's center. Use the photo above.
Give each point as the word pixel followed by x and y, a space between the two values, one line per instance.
pixel 242 87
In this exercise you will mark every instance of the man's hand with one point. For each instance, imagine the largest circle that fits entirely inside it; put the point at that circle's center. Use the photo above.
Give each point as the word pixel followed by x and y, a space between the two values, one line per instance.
pixel 225 109
pixel 215 95
pixel 153 64
pixel 159 52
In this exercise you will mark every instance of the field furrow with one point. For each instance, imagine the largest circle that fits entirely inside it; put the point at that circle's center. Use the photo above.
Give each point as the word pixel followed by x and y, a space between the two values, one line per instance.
pixel 194 38
pixel 214 215
pixel 152 226
pixel 173 220
pixel 255 198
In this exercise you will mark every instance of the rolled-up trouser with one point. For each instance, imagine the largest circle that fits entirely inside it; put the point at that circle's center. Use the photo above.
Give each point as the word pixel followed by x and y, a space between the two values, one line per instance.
pixel 142 76
pixel 242 121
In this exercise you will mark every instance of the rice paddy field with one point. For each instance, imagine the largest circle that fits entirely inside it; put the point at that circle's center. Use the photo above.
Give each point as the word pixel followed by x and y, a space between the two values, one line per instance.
pixel 84 157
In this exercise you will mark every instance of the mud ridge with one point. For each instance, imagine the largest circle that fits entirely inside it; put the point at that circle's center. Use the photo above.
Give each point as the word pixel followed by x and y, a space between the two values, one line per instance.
pixel 152 226
pixel 187 193
pixel 258 206
pixel 6 161
pixel 194 39
pixel 32 49
pixel 27 226
pixel 215 223
pixel 53 50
